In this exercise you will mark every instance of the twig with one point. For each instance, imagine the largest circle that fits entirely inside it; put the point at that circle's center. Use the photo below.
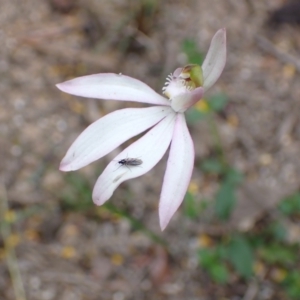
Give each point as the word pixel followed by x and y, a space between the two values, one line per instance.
pixel 69 278
pixel 10 253
pixel 268 47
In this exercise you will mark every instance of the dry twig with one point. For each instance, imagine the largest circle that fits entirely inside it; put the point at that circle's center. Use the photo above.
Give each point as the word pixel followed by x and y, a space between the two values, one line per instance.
pixel 268 47
pixel 10 253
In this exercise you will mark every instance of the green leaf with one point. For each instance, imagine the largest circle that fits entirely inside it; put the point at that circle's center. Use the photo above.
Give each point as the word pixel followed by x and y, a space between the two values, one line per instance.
pixel 190 207
pixel 278 231
pixel 193 115
pixel 212 262
pixel 291 284
pixel 219 273
pixel 194 56
pixel 212 165
pixel 225 200
pixel 240 254
pixel 77 196
pixel 234 176
pixel 207 257
pixel 217 102
pixel 290 205
pixel 278 254
pixel 203 205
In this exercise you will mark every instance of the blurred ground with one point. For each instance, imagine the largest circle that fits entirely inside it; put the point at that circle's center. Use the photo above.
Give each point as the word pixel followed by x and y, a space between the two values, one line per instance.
pixel 92 253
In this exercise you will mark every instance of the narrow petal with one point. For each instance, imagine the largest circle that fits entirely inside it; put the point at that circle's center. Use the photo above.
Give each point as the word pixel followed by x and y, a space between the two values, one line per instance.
pixel 215 59
pixel 179 171
pixel 109 86
pixel 182 102
pixel 109 132
pixel 150 149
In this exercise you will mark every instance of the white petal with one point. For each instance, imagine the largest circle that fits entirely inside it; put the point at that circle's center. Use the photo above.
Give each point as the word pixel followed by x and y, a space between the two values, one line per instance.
pixel 109 132
pixel 179 171
pixel 182 102
pixel 150 149
pixel 215 59
pixel 112 87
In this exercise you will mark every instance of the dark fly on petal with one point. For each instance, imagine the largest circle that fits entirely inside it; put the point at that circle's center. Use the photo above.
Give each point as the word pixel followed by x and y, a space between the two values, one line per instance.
pixel 130 162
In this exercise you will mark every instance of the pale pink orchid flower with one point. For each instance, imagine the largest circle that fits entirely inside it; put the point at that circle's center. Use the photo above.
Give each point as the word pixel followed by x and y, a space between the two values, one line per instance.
pixel 165 122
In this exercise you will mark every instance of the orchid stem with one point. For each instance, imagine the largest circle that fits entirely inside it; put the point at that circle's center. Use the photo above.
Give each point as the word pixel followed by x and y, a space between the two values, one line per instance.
pixel 10 254
pixel 217 140
pixel 136 224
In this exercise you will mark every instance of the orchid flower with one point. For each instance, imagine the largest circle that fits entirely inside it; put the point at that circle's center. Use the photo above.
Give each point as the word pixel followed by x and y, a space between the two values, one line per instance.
pixel 166 119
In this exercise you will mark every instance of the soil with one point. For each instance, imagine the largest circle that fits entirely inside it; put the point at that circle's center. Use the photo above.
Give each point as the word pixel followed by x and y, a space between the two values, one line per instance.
pixel 91 253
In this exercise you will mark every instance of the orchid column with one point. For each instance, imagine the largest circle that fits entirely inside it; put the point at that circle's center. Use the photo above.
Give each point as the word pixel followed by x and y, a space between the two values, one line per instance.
pixel 166 119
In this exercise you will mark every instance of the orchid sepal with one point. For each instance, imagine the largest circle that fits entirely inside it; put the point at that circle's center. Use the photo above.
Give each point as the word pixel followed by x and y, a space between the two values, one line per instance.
pixel 110 86
pixel 215 59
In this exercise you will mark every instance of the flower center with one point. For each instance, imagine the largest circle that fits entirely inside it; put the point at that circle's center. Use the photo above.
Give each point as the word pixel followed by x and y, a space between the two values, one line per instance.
pixel 183 80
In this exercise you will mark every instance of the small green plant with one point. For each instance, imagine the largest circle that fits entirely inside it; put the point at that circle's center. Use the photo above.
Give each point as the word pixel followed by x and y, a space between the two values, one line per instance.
pixel 236 253
pixel 212 260
pixel 239 253
pixel 206 108
pixel 212 166
pixel 291 284
pixel 276 253
pixel 77 196
pixel 194 56
pixel 217 102
pixel 267 243
pixel 226 195
pixel 192 208
pixel 290 205
pixel 277 231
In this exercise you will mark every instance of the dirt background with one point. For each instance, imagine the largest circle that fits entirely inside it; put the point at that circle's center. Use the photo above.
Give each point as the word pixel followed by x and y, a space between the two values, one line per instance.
pixel 92 254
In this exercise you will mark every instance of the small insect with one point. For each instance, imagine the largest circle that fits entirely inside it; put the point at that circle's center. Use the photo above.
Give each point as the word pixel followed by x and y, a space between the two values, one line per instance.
pixel 129 162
